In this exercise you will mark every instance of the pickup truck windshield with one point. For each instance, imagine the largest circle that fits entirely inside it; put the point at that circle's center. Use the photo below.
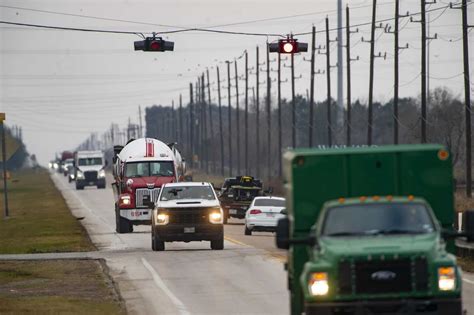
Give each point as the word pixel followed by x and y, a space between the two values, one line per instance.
pixel 375 219
pixel 145 169
pixel 187 192
pixel 89 161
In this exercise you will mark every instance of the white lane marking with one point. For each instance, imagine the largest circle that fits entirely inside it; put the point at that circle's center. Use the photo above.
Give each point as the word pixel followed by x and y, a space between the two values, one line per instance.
pixel 160 284
pixel 467 280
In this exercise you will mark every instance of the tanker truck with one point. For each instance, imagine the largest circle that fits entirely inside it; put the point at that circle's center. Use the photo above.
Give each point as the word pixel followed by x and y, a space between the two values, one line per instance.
pixel 140 168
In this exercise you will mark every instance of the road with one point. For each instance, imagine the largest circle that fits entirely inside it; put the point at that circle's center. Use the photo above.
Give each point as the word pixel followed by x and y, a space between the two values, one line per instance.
pixel 187 278
pixel 247 277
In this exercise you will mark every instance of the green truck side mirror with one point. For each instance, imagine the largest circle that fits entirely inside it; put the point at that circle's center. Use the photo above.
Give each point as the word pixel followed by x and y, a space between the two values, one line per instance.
pixel 283 233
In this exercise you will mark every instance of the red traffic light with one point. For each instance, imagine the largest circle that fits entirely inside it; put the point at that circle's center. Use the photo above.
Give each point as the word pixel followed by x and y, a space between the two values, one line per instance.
pixel 154 45
pixel 288 46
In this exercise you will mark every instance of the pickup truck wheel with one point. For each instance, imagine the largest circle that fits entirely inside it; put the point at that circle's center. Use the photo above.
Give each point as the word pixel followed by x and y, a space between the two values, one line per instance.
pixel 156 244
pixel 248 231
pixel 217 244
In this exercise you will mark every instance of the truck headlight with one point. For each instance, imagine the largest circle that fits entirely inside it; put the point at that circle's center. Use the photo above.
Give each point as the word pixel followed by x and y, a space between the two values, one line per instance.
pixel 101 174
pixel 125 200
pixel 318 284
pixel 162 219
pixel 216 217
pixel 446 278
pixel 80 175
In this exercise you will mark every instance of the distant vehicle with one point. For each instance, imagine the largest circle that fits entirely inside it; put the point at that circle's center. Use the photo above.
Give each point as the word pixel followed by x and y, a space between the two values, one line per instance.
pixel 65 155
pixel 370 230
pixel 263 214
pixel 89 169
pixel 71 174
pixel 140 169
pixel 185 212
pixel 68 164
pixel 236 195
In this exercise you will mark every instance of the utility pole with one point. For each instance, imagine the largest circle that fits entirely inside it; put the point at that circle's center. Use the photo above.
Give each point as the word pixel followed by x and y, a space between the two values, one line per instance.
pixel 4 164
pixel 311 88
pixel 229 117
pixel 280 145
pixel 221 133
pixel 140 120
pixel 247 171
pixel 191 124
pixel 211 128
pixel 269 116
pixel 328 78
pixel 348 62
pixel 340 65
pixel 238 115
pixel 423 71
pixel 175 123
pixel 371 76
pixel 257 100
pixel 180 121
pixel 467 97
pixel 204 116
pixel 396 73
pixel 293 103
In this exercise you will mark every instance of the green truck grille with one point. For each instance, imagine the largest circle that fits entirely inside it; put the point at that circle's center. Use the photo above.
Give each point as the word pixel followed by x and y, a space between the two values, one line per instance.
pixel 372 277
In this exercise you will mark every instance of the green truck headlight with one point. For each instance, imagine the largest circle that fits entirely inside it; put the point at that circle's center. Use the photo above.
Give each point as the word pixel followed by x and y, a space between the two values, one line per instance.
pixel 318 284
pixel 446 278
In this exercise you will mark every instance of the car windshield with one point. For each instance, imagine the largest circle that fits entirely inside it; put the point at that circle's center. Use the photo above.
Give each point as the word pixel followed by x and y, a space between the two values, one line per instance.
pixel 144 169
pixel 187 192
pixel 90 161
pixel 267 202
pixel 375 219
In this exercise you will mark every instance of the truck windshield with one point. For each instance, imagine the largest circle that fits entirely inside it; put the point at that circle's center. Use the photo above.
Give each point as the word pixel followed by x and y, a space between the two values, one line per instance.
pixel 375 219
pixel 89 161
pixel 145 169
pixel 187 192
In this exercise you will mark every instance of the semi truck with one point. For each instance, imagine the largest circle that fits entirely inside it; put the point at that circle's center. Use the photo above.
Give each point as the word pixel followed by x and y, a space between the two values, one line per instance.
pixel 370 230
pixel 140 168
pixel 89 169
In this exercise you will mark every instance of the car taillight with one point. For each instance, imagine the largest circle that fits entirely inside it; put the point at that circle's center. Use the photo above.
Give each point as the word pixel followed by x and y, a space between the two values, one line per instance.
pixel 255 211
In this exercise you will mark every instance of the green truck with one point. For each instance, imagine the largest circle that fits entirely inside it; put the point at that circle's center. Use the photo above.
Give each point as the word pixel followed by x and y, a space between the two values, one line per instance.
pixel 370 230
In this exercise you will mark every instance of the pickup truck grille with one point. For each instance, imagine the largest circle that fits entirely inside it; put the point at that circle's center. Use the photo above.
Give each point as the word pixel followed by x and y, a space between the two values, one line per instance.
pixel 141 192
pixel 90 176
pixel 383 276
pixel 189 216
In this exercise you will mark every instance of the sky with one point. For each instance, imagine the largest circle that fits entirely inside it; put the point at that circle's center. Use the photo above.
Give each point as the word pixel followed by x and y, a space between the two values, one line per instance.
pixel 60 86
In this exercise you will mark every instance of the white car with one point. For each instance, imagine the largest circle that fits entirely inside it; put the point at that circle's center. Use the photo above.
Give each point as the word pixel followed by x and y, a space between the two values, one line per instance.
pixel 264 213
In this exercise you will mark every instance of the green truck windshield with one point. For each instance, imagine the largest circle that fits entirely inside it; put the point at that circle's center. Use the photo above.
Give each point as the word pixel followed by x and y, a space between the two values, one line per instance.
pixel 374 219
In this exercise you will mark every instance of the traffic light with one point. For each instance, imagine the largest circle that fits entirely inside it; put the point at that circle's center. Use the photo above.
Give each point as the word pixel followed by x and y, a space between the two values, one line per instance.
pixel 154 44
pixel 288 46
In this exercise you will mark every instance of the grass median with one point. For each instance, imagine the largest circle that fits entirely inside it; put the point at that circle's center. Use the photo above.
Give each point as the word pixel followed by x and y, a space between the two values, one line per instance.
pixel 41 222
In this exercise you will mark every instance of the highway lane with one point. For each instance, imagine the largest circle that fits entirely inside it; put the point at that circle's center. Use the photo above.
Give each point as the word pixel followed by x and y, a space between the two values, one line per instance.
pixel 188 278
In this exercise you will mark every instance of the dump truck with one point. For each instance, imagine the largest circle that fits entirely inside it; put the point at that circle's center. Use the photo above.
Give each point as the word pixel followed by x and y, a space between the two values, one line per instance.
pixel 370 230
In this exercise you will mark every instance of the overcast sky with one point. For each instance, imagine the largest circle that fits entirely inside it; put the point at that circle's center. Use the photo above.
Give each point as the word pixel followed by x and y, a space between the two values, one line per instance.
pixel 60 85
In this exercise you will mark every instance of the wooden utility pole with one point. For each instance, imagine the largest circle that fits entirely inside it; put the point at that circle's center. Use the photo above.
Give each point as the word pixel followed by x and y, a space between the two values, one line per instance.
pixel 191 124
pixel 348 62
pixel 229 117
pixel 311 88
pixel 293 103
pixel 328 78
pixel 371 75
pixel 140 120
pixel 221 133
pixel 204 122
pixel 4 164
pixel 180 122
pixel 467 98
pixel 423 71
pixel 247 171
pixel 395 72
pixel 280 145
pixel 269 117
pixel 211 156
pixel 257 125
pixel 238 115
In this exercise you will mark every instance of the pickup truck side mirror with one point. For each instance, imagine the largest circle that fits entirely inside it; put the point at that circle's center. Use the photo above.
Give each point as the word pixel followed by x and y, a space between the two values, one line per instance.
pixel 284 211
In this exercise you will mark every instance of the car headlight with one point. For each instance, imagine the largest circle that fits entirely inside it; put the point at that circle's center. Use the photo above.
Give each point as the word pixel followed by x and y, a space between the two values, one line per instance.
pixel 80 174
pixel 318 284
pixel 446 278
pixel 72 176
pixel 125 200
pixel 216 217
pixel 162 219
pixel 101 173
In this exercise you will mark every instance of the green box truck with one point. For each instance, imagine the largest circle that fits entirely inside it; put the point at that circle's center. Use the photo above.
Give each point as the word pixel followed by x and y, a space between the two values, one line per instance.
pixel 369 231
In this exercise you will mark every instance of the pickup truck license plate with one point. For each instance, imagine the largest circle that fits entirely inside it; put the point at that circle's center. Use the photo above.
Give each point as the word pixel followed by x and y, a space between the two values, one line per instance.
pixel 270 215
pixel 233 211
pixel 189 229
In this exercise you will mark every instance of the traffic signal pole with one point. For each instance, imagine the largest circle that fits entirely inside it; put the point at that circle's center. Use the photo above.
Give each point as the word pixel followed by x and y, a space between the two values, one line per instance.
pixel 229 117
pixel 4 164
pixel 238 115
pixel 221 133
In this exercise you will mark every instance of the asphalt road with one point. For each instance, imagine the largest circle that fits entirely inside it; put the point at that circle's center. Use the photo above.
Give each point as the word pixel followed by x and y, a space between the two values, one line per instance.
pixel 247 277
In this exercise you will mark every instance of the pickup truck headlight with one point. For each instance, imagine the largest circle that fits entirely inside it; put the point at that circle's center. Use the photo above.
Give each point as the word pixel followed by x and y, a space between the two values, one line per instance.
pixel 125 200
pixel 101 174
pixel 162 219
pixel 446 278
pixel 216 216
pixel 318 284
pixel 80 175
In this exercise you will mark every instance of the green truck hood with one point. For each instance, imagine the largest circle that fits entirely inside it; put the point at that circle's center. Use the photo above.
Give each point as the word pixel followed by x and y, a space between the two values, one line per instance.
pixel 334 248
